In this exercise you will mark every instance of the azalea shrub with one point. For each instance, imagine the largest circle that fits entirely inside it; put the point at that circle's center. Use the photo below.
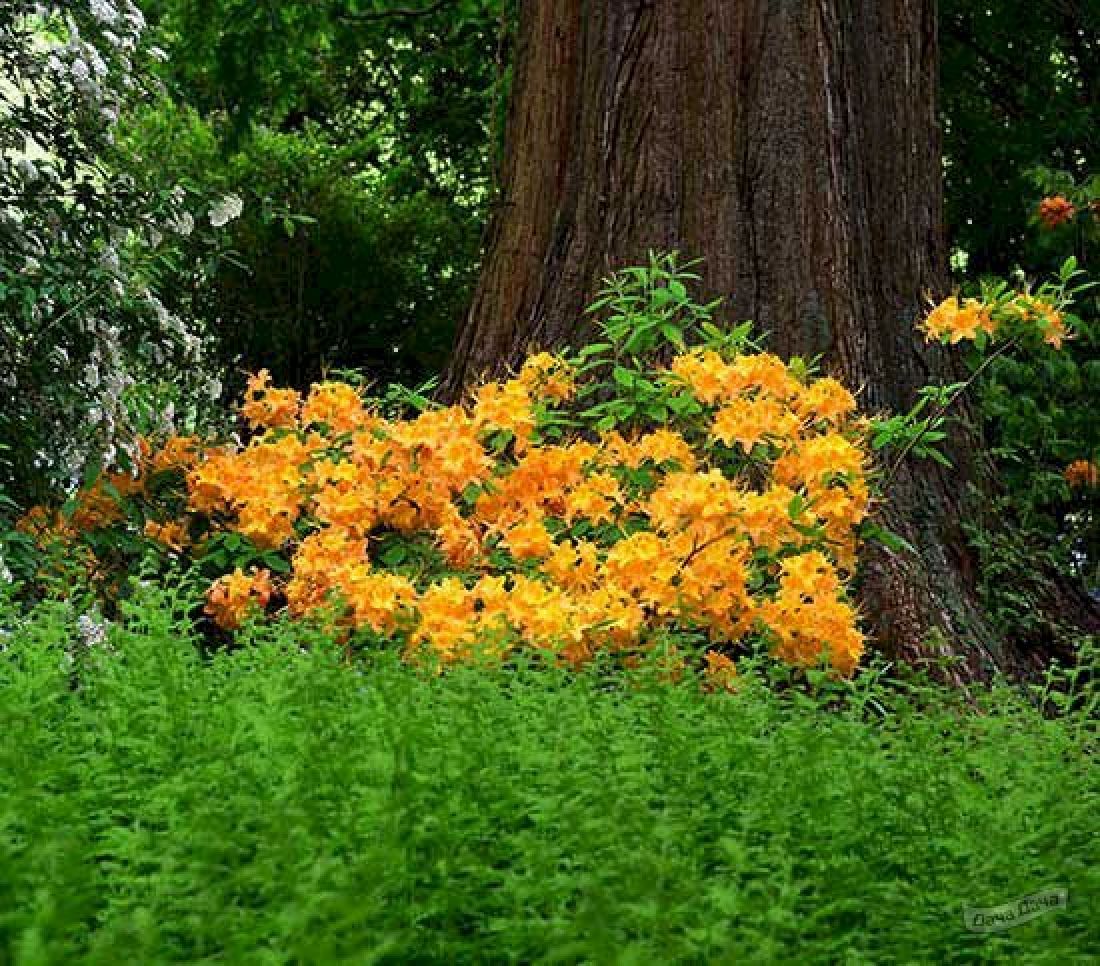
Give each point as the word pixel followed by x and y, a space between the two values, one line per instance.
pixel 1040 410
pixel 1035 374
pixel 597 503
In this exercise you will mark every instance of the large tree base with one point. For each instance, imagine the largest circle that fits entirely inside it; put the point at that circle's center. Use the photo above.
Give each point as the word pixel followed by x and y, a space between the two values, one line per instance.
pixel 924 606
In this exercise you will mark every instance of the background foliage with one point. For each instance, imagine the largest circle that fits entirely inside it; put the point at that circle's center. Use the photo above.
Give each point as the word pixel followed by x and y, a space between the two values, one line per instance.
pixel 1021 107
pixel 361 143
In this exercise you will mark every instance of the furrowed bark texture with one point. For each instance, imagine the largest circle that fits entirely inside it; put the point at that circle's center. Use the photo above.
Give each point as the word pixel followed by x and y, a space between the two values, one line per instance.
pixel 792 144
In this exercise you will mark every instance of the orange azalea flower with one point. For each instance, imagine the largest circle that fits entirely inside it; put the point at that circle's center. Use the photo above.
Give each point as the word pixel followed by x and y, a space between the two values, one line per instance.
pixel 808 619
pixel 705 373
pixel 825 399
pixel 956 321
pixel 700 503
pixel 506 406
pixel 230 598
pixel 576 566
pixel 380 602
pixel 720 672
pixel 596 499
pixel 171 534
pixel 176 453
pixel 96 507
pixel 36 521
pixel 335 405
pixel 751 421
pixel 548 377
pixel 1082 473
pixel 528 539
pixel 765 374
pixel 1055 210
pixel 268 408
pixel 459 540
pixel 1036 310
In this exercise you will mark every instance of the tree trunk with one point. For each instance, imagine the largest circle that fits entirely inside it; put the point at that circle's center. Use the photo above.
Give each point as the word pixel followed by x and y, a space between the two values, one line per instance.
pixel 793 145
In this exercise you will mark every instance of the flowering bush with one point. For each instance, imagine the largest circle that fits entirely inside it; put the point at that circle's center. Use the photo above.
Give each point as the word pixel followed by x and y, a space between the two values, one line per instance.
pixel 1032 354
pixel 88 346
pixel 595 503
pixel 529 515
pixel 1003 314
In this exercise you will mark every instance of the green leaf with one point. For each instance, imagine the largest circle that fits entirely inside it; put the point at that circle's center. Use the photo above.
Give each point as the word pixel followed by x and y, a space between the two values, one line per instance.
pixel 889 539
pixel 275 563
pixel 594 348
pixel 395 555
pixel 673 334
pixel 624 377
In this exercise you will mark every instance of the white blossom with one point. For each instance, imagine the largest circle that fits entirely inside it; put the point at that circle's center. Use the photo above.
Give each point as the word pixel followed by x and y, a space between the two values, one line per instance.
pixel 27 170
pixel 93 631
pixel 228 209
pixel 135 18
pixel 110 261
pixel 104 11
pixel 182 224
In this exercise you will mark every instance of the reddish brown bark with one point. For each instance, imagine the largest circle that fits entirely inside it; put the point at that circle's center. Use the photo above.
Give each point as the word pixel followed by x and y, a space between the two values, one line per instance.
pixel 795 147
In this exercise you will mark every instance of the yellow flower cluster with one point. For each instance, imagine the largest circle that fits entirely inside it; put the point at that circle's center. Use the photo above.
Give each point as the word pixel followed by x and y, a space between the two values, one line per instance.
pixel 1038 312
pixel 739 524
pixel 96 506
pixel 955 320
pixel 231 597
pixel 104 502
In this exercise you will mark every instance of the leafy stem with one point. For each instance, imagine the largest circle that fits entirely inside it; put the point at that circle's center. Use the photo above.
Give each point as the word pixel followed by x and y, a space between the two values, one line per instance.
pixel 941 409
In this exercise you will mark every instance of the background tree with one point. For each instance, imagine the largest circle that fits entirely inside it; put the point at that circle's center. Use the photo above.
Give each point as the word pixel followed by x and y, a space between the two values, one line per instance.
pixel 1020 89
pixel 358 136
pixel 797 149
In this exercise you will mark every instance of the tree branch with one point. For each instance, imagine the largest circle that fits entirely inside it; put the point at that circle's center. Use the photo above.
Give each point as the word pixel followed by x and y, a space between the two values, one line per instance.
pixel 397 13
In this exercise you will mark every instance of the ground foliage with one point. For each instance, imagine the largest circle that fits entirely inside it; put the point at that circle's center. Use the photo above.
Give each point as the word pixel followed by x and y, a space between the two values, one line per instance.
pixel 276 803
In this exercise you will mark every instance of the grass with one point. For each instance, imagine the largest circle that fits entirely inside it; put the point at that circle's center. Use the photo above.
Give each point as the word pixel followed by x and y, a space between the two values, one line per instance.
pixel 274 805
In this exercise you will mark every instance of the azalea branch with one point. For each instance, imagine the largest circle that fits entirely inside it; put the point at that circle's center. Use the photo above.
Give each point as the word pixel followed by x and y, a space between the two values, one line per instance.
pixel 700 547
pixel 943 407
